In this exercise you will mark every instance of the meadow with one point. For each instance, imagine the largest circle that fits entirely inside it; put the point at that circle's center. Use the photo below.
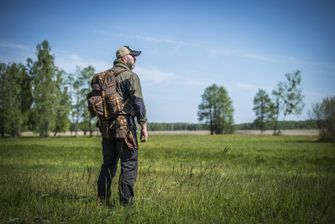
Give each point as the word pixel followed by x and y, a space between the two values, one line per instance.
pixel 181 179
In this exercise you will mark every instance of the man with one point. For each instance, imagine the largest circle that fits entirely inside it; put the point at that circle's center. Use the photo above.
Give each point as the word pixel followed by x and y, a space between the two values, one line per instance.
pixel 129 88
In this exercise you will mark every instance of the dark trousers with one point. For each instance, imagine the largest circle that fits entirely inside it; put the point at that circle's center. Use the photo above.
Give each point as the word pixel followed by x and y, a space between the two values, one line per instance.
pixel 112 151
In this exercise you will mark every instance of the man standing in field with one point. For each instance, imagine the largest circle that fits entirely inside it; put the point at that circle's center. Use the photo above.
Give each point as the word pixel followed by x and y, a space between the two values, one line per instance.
pixel 113 148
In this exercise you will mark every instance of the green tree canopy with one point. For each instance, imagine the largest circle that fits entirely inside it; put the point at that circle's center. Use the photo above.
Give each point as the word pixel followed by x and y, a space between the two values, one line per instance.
pixel 216 109
pixel 85 82
pixel 288 97
pixel 43 72
pixel 264 109
pixel 37 97
pixel 324 115
pixel 79 85
pixel 15 98
pixel 62 105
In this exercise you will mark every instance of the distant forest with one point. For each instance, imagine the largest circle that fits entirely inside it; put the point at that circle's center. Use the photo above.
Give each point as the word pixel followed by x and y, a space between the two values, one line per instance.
pixel 307 124
pixel 40 97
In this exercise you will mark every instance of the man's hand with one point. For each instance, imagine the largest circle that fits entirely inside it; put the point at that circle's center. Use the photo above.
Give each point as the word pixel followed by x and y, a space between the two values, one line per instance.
pixel 144 133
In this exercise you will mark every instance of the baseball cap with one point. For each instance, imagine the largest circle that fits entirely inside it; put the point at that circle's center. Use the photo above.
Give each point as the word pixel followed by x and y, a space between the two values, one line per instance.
pixel 125 50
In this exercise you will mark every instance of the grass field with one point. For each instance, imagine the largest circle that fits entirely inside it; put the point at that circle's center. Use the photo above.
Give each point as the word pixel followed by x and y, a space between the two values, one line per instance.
pixel 182 179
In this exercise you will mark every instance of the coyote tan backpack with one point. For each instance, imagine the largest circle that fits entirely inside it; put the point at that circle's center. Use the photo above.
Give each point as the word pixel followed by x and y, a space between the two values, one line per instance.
pixel 106 103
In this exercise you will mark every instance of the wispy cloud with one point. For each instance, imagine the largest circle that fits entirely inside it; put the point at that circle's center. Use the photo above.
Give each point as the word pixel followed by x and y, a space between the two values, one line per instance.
pixel 69 62
pixel 158 39
pixel 6 44
pixel 217 50
pixel 246 87
pixel 252 56
pixel 258 57
pixel 220 51
pixel 11 52
pixel 156 76
pixel 64 60
pixel 152 38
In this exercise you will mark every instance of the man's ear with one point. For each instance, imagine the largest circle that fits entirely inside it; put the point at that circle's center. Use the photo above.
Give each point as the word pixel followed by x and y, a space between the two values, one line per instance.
pixel 124 58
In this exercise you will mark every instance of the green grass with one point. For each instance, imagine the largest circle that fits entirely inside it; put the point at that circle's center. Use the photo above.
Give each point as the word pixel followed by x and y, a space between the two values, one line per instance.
pixel 181 179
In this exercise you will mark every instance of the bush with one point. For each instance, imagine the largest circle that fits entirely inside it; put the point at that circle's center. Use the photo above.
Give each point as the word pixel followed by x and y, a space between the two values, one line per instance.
pixel 324 115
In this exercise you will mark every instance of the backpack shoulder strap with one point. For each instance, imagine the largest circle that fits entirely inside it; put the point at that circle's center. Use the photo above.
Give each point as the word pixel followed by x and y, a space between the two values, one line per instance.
pixel 101 80
pixel 97 80
pixel 119 72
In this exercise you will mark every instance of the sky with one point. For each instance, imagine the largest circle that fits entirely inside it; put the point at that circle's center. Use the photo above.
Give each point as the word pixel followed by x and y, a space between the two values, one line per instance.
pixel 186 46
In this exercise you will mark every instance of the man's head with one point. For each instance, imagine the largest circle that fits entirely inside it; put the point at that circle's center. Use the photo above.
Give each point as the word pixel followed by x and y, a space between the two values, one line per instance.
pixel 128 55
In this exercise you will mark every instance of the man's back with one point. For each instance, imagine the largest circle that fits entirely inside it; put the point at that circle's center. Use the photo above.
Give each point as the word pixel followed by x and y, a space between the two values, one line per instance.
pixel 129 88
pixel 125 149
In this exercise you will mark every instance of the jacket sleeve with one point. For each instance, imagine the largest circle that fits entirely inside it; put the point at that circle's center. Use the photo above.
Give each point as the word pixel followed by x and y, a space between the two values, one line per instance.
pixel 137 98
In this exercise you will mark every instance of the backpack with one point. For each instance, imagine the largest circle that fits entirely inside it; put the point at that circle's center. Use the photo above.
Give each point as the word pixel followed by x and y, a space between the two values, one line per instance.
pixel 106 103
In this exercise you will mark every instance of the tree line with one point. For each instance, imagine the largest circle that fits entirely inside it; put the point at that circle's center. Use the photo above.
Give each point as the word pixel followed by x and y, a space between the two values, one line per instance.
pixel 180 126
pixel 40 97
pixel 216 110
pixel 285 125
pixel 177 126
pixel 287 99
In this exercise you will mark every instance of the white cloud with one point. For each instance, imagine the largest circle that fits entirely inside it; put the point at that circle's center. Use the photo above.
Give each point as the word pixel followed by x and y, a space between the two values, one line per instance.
pixel 153 38
pixel 150 75
pixel 155 76
pixel 247 87
pixel 177 44
pixel 66 61
pixel 5 44
pixel 158 39
pixel 74 57
pixel 13 52
pixel 69 62
pixel 252 56
pixel 260 57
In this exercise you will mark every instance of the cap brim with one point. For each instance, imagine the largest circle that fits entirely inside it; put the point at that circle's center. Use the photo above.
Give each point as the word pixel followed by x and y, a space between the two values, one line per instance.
pixel 135 53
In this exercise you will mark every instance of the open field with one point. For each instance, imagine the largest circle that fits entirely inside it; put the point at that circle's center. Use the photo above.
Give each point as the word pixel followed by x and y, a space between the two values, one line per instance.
pixel 310 132
pixel 182 179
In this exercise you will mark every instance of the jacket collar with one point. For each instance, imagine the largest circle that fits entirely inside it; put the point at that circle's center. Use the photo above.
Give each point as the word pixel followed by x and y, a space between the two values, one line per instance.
pixel 121 64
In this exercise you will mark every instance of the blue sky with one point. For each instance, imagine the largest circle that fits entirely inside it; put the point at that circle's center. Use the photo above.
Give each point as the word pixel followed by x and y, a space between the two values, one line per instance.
pixel 186 46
